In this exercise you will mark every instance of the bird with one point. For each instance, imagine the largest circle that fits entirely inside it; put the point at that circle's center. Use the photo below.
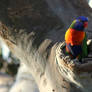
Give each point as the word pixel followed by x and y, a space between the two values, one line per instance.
pixel 76 38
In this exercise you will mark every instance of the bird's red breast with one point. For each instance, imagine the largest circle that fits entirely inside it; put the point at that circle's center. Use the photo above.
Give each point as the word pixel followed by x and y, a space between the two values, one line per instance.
pixel 74 37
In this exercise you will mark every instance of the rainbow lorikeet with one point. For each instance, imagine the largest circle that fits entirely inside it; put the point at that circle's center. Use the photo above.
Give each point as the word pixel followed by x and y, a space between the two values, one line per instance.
pixel 75 38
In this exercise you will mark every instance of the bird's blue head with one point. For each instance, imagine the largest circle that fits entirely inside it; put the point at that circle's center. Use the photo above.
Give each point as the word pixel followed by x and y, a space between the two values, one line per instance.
pixel 82 18
pixel 80 23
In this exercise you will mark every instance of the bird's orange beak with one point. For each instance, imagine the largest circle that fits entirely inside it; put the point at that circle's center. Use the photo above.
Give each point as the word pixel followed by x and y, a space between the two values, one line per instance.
pixel 85 24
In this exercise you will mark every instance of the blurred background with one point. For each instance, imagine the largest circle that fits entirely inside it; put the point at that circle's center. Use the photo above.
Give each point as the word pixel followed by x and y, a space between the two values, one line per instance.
pixel 90 3
pixel 9 65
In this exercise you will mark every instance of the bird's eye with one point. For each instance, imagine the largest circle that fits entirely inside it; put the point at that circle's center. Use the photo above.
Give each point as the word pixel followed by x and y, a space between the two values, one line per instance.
pixel 85 24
